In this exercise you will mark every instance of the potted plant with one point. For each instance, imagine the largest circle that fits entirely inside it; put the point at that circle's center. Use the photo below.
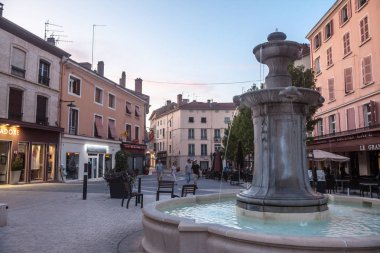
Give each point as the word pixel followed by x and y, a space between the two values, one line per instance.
pixel 118 175
pixel 16 167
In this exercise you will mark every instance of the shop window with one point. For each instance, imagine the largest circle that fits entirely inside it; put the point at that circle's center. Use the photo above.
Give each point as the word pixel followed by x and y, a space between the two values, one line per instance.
pixel 18 62
pixel 203 149
pixel 41 112
pixel 346 44
pixel 331 89
pixel 98 95
pixel 112 129
pixel 73 121
pixel 51 170
pixel 108 162
pixel 74 86
pixel 191 149
pixel 15 104
pixel 98 126
pixel 37 162
pixel 44 73
pixel 348 80
pixel 364 30
pixel 367 70
pixel 191 133
pixel 72 165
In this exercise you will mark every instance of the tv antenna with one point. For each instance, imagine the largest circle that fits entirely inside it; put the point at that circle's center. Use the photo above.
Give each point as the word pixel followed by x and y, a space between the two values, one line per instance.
pixel 53 32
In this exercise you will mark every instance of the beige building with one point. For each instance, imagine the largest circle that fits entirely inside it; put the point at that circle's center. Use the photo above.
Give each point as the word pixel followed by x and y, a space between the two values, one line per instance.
pixel 106 117
pixel 192 130
pixel 345 54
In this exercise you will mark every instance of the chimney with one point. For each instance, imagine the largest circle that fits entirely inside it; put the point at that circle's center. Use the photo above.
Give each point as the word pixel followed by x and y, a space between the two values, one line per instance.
pixel 208 101
pixel 50 40
pixel 122 79
pixel 168 102
pixel 101 68
pixel 179 99
pixel 86 65
pixel 1 9
pixel 138 85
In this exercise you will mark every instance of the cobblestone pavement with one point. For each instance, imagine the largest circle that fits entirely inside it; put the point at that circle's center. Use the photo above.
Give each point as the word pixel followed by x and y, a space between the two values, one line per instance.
pixel 43 220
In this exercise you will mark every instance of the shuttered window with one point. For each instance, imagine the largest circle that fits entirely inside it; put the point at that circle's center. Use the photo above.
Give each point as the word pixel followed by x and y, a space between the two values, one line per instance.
pixel 41 117
pixel 346 43
pixel 98 126
pixel 329 57
pixel 364 31
pixel 111 129
pixel 348 80
pixel 329 30
pixel 18 62
pixel 73 121
pixel 331 89
pixel 367 70
pixel 15 104
pixel 345 13
pixel 351 119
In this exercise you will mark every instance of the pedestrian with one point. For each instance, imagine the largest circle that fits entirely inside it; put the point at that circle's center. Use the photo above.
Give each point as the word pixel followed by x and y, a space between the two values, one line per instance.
pixel 159 170
pixel 195 169
pixel 188 171
pixel 174 170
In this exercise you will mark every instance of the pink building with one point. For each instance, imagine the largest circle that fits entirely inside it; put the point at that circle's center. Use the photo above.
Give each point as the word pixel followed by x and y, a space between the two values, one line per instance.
pixel 345 53
pixel 106 117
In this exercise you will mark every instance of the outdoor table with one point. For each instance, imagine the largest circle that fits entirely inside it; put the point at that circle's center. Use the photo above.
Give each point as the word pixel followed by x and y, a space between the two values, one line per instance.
pixel 342 182
pixel 369 185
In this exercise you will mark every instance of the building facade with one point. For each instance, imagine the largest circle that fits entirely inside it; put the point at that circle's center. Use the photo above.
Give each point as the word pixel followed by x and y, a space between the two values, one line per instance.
pixel 30 71
pixel 192 130
pixel 345 55
pixel 99 117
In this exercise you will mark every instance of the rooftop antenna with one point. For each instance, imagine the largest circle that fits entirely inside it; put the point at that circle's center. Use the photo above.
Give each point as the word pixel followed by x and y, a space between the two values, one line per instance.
pixel 47 29
pixel 92 50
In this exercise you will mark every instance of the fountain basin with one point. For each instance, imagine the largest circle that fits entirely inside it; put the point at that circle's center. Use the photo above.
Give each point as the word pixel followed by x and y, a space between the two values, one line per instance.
pixel 168 233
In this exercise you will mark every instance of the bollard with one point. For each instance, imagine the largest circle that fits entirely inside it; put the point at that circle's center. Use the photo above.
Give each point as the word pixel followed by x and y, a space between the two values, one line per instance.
pixel 85 181
pixel 3 214
pixel 139 189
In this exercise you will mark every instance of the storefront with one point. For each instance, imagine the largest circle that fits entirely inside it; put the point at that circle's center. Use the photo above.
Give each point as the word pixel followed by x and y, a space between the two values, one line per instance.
pixel 99 154
pixel 136 156
pixel 363 149
pixel 37 148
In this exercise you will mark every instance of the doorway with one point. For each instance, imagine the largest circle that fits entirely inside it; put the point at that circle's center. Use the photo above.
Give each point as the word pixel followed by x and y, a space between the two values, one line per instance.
pixel 22 153
pixel 4 161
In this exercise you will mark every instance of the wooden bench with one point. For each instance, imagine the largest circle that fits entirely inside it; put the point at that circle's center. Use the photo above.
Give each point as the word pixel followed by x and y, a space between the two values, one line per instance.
pixel 165 186
pixel 188 188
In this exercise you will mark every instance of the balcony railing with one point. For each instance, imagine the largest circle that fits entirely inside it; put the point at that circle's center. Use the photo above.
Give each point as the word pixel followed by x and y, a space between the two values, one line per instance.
pixel 348 132
pixel 43 121
pixel 43 80
pixel 15 116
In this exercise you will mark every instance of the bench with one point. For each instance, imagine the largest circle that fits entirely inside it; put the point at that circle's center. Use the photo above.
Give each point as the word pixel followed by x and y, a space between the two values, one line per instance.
pixel 188 188
pixel 165 186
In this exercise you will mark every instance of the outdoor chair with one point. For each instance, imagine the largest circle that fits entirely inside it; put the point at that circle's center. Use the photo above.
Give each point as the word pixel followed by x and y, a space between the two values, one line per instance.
pixel 129 194
pixel 165 186
pixel 188 188
pixel 234 179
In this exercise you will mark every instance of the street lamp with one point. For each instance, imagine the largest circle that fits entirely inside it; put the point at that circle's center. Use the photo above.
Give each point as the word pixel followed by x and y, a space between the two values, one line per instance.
pixel 71 103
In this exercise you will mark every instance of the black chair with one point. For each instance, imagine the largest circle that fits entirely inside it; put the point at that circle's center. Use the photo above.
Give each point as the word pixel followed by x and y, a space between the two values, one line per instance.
pixel 129 194
pixel 188 188
pixel 165 186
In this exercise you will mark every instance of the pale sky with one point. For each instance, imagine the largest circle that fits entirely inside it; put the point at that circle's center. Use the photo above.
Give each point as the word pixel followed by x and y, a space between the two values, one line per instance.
pixel 201 42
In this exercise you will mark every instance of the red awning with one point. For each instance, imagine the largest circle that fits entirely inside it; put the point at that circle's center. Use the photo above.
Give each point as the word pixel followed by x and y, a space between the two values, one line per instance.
pixel 99 126
pixel 128 108
pixel 112 128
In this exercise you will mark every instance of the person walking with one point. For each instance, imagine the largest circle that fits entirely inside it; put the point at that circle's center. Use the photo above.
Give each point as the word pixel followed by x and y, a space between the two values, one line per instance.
pixel 159 170
pixel 195 169
pixel 174 170
pixel 188 171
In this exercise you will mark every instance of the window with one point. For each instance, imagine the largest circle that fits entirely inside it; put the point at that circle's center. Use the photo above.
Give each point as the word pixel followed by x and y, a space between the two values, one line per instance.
pixel 163 132
pixel 128 108
pixel 203 149
pixel 137 111
pixel 170 134
pixel 364 32
pixel 332 129
pixel 345 13
pixel 128 132
pixel 191 119
pixel 43 73
pixel 15 104
pixel 329 30
pixel 204 134
pixel 74 86
pixel 346 44
pixel 98 95
pixel 137 133
pixel 367 70
pixel 348 80
pixel 98 126
pixel 320 127
pixel 227 120
pixel 317 66
pixel 360 3
pixel 368 112
pixel 111 101
pixel 216 133
pixel 329 57
pixel 351 119
pixel 331 89
pixel 217 147
pixel 317 41
pixel 112 129
pixel 73 121
pixel 170 149
pixel 170 123
pixel 72 165
pixel 41 112
pixel 191 148
pixel 203 120
pixel 191 133
pixel 18 62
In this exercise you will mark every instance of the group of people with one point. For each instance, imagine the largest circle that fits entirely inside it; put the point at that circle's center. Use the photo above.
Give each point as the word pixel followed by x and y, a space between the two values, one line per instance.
pixel 192 171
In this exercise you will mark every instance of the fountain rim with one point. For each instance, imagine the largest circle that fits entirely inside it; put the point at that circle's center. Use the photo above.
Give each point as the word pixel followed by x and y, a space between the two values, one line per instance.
pixel 276 43
pixel 187 224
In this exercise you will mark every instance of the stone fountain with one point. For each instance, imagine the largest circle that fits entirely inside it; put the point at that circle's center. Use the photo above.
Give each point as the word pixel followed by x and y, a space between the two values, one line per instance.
pixel 280 182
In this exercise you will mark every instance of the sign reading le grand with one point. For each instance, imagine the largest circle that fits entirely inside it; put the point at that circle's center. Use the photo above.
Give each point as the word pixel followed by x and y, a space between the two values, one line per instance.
pixel 9 131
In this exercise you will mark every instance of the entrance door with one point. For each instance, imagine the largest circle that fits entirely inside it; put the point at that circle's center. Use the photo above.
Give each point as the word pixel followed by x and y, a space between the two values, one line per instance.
pixel 93 166
pixel 4 161
pixel 22 153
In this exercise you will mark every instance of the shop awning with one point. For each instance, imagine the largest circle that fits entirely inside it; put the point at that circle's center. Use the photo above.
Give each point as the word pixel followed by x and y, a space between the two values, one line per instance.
pixel 99 126
pixel 320 155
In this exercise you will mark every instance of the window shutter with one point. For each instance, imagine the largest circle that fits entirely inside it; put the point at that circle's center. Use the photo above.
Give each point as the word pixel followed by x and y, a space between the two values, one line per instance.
pixel 351 119
pixel 348 79
pixel 356 5
pixel 18 58
pixel 367 70
pixel 373 112
pixel 349 14
pixel 331 89
pixel 99 126
pixel 331 27
pixel 326 129
pixel 360 116
pixel 15 104
pixel 337 122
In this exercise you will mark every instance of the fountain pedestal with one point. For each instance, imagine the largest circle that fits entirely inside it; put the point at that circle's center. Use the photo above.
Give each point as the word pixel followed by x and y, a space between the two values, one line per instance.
pixel 280 181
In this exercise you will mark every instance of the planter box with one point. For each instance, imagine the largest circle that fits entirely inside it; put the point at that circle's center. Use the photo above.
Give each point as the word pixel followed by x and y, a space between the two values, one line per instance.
pixel 116 189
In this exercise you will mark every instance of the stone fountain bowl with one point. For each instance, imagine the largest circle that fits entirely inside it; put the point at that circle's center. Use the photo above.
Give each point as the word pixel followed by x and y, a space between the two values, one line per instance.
pixel 171 234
